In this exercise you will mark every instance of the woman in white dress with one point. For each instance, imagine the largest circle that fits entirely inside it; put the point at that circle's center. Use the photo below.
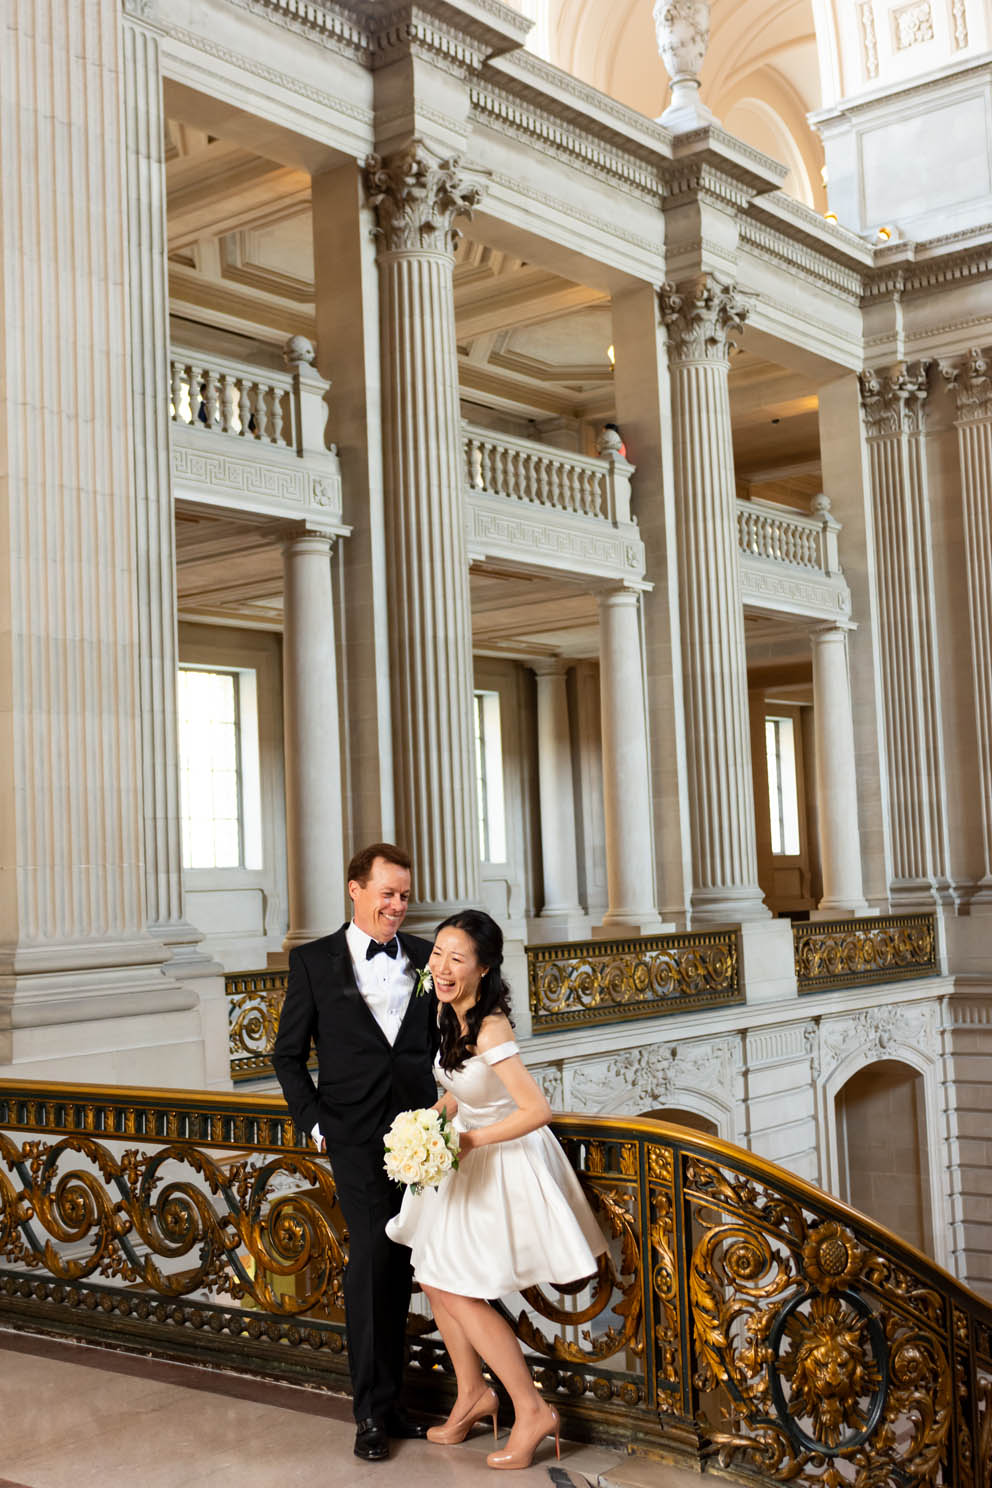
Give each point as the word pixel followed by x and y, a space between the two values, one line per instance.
pixel 512 1214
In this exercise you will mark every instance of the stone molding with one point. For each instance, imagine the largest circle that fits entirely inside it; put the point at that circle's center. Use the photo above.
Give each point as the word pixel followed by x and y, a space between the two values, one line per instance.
pixel 878 1033
pixel 560 540
pixel 565 140
pixel 969 380
pixel 702 317
pixel 611 230
pixel 652 1076
pixel 416 197
pixel 895 402
pixel 773 243
pixel 828 599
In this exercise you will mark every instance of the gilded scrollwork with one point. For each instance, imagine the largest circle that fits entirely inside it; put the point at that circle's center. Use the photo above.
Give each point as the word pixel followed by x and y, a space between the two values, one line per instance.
pixel 602 981
pixel 849 953
pixel 254 1004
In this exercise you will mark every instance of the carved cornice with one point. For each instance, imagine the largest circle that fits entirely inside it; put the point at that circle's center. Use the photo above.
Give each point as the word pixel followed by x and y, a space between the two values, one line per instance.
pixel 895 402
pixel 448 36
pixel 703 181
pixel 771 243
pixel 334 26
pixel 567 139
pixel 969 378
pixel 912 275
pixel 702 316
pixel 417 197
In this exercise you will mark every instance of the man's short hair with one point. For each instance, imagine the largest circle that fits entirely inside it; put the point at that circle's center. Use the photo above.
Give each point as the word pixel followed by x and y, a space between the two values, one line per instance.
pixel 361 864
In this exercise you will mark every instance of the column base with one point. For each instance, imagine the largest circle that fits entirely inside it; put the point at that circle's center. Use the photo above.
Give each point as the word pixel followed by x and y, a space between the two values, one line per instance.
pixel 621 924
pixel 558 925
pixel 130 1026
pixel 302 937
pixel 919 893
pixel 423 918
pixel 841 909
pixel 732 904
pixel 189 959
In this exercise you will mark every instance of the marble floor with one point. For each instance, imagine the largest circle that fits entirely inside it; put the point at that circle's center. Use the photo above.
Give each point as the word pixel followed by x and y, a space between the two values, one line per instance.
pixel 79 1417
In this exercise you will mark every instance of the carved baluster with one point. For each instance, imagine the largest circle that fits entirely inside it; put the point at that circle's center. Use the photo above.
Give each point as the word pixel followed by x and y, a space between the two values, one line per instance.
pixel 241 412
pixel 599 491
pixel 210 400
pixel 277 415
pixel 176 390
pixel 227 403
pixel 475 476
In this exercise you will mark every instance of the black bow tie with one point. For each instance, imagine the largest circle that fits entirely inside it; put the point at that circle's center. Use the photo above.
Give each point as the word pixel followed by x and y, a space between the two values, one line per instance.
pixel 375 946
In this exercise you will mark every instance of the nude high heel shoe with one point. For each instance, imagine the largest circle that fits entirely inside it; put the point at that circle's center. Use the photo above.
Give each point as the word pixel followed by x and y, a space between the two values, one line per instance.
pixel 523 1456
pixel 454 1432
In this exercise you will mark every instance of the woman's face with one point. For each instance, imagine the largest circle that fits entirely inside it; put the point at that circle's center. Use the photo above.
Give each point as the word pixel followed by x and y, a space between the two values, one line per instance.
pixel 456 968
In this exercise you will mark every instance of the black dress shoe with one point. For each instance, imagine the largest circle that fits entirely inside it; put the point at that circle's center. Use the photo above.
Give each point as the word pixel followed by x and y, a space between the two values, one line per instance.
pixel 399 1426
pixel 371 1441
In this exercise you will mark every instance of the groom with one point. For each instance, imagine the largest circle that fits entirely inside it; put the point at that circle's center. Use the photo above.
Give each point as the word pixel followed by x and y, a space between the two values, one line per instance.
pixel 352 993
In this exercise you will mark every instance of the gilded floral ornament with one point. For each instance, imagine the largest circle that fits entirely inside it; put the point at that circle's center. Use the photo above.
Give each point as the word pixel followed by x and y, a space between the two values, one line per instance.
pixel 703 316
pixel 832 1258
pixel 417 197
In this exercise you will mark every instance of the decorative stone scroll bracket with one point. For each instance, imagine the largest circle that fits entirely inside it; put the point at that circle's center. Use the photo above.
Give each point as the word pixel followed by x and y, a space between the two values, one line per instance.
pixel 895 402
pixel 703 317
pixel 969 379
pixel 417 197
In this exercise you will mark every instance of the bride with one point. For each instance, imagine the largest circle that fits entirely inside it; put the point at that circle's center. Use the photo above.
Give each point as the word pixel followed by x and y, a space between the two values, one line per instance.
pixel 512 1215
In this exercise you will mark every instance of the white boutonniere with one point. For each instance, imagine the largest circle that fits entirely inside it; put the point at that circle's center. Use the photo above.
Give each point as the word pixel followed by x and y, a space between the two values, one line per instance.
pixel 424 985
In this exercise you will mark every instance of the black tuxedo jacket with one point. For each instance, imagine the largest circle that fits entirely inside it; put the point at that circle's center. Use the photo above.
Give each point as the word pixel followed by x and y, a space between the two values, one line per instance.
pixel 363 1081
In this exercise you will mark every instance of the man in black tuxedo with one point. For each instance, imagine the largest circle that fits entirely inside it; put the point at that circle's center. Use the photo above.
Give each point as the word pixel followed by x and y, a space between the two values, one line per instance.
pixel 352 993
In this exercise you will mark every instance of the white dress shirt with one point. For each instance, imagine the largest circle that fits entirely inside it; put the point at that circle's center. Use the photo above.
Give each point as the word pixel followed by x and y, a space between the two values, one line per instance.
pixel 385 983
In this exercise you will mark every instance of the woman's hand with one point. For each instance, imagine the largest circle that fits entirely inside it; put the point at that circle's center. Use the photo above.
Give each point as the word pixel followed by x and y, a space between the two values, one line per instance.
pixel 467 1140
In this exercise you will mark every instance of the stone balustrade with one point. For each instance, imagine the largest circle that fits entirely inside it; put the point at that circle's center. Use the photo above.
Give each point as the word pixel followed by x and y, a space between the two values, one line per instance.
pixel 543 476
pixel 781 535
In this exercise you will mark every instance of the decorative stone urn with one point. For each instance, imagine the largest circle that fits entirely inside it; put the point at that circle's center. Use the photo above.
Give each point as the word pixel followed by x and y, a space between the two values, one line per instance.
pixel 683 30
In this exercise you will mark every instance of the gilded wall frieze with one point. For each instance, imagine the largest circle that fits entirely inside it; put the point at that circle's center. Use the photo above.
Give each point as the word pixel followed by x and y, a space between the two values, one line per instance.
pixel 417 196
pixel 854 953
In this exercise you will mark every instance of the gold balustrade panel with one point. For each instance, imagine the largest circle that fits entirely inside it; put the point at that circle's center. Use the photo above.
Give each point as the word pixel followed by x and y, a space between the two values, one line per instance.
pixel 855 952
pixel 740 1318
pixel 579 984
pixel 254 1002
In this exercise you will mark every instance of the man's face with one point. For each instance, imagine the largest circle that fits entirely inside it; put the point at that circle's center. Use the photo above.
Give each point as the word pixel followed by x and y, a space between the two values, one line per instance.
pixel 380 903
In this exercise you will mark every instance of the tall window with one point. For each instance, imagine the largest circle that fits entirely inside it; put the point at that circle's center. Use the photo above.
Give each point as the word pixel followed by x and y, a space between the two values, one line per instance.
pixel 783 797
pixel 489 778
pixel 218 762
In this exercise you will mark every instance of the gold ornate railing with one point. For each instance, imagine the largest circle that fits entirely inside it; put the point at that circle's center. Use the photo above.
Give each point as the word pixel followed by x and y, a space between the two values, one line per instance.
pixel 254 1002
pixel 603 981
pixel 853 953
pixel 740 1317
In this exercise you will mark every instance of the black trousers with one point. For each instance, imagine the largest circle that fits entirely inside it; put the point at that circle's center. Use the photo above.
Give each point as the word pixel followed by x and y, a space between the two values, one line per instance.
pixel 377 1279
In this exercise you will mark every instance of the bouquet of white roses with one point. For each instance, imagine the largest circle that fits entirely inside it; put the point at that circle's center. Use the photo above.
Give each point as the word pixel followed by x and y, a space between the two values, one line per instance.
pixel 421 1149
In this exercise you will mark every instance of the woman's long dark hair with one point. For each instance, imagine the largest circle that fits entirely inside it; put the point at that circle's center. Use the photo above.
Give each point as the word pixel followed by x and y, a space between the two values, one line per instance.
pixel 493 997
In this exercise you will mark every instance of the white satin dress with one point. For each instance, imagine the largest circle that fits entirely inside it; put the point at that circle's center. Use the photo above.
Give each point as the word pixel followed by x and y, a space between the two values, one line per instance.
pixel 511 1215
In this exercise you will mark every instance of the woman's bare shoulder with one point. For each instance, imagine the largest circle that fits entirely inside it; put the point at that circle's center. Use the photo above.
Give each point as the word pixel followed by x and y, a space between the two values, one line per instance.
pixel 496 1029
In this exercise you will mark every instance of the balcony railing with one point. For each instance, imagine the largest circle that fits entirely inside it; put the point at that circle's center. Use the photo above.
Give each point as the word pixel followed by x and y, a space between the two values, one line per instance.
pixel 541 476
pixel 254 1002
pixel 608 981
pixel 854 953
pixel 781 535
pixel 740 1317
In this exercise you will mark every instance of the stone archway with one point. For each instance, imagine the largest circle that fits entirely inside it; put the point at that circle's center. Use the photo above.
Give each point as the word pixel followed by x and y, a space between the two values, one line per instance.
pixel 676 1116
pixel 883 1144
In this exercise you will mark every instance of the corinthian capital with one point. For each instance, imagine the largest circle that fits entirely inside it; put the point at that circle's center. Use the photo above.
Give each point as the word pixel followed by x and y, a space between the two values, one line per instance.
pixel 895 402
pixel 970 378
pixel 417 198
pixel 703 316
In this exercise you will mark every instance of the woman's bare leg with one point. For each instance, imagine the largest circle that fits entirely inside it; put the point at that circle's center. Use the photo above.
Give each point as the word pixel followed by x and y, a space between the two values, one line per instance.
pixel 464 1358
pixel 492 1338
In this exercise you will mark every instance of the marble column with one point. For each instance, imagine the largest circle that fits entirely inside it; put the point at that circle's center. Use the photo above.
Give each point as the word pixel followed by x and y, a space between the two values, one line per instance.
pixel 836 775
pixel 894 407
pixel 970 377
pixel 562 914
pixel 630 872
pixel 702 316
pixel 417 198
pixel 315 853
pixel 155 521
pixel 76 954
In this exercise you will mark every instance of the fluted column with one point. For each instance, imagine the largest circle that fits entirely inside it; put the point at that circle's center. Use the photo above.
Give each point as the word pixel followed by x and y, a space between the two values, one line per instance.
pixel 559 851
pixel 417 198
pixel 630 875
pixel 971 378
pixel 894 413
pixel 315 852
pixel 836 776
pixel 702 315
pixel 155 522
pixel 73 940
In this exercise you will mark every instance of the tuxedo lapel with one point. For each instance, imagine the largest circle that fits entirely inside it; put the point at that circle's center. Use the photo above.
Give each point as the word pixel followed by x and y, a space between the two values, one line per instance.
pixel 341 983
